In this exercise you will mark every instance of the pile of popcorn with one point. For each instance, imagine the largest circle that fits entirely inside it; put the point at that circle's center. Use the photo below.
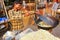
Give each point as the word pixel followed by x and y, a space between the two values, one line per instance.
pixel 39 35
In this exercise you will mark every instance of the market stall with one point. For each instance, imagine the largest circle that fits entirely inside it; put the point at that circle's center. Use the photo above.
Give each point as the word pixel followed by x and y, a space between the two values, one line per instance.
pixel 34 24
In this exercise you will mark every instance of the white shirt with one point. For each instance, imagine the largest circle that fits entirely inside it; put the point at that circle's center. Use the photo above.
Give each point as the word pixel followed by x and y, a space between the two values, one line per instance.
pixel 55 6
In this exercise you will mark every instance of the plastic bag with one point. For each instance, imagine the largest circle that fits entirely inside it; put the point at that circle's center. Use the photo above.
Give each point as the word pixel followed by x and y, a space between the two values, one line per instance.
pixel 23 33
pixel 8 35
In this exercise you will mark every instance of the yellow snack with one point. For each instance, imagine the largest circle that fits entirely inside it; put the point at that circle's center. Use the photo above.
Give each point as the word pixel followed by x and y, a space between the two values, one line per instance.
pixel 43 24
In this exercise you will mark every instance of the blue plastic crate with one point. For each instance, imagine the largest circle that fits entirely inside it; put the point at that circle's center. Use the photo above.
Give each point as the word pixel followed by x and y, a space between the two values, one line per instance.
pixel 3 19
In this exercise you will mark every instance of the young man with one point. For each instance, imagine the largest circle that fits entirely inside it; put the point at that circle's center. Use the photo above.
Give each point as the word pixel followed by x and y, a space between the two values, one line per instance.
pixel 15 16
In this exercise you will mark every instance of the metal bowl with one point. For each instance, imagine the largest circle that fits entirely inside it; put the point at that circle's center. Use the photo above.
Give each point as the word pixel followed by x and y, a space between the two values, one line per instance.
pixel 48 21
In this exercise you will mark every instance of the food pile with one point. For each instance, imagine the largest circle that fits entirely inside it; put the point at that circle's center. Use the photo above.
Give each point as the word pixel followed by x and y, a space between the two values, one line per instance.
pixel 39 35
pixel 43 24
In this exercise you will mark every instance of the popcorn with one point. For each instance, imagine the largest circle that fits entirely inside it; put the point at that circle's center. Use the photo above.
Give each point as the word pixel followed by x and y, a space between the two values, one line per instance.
pixel 39 35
